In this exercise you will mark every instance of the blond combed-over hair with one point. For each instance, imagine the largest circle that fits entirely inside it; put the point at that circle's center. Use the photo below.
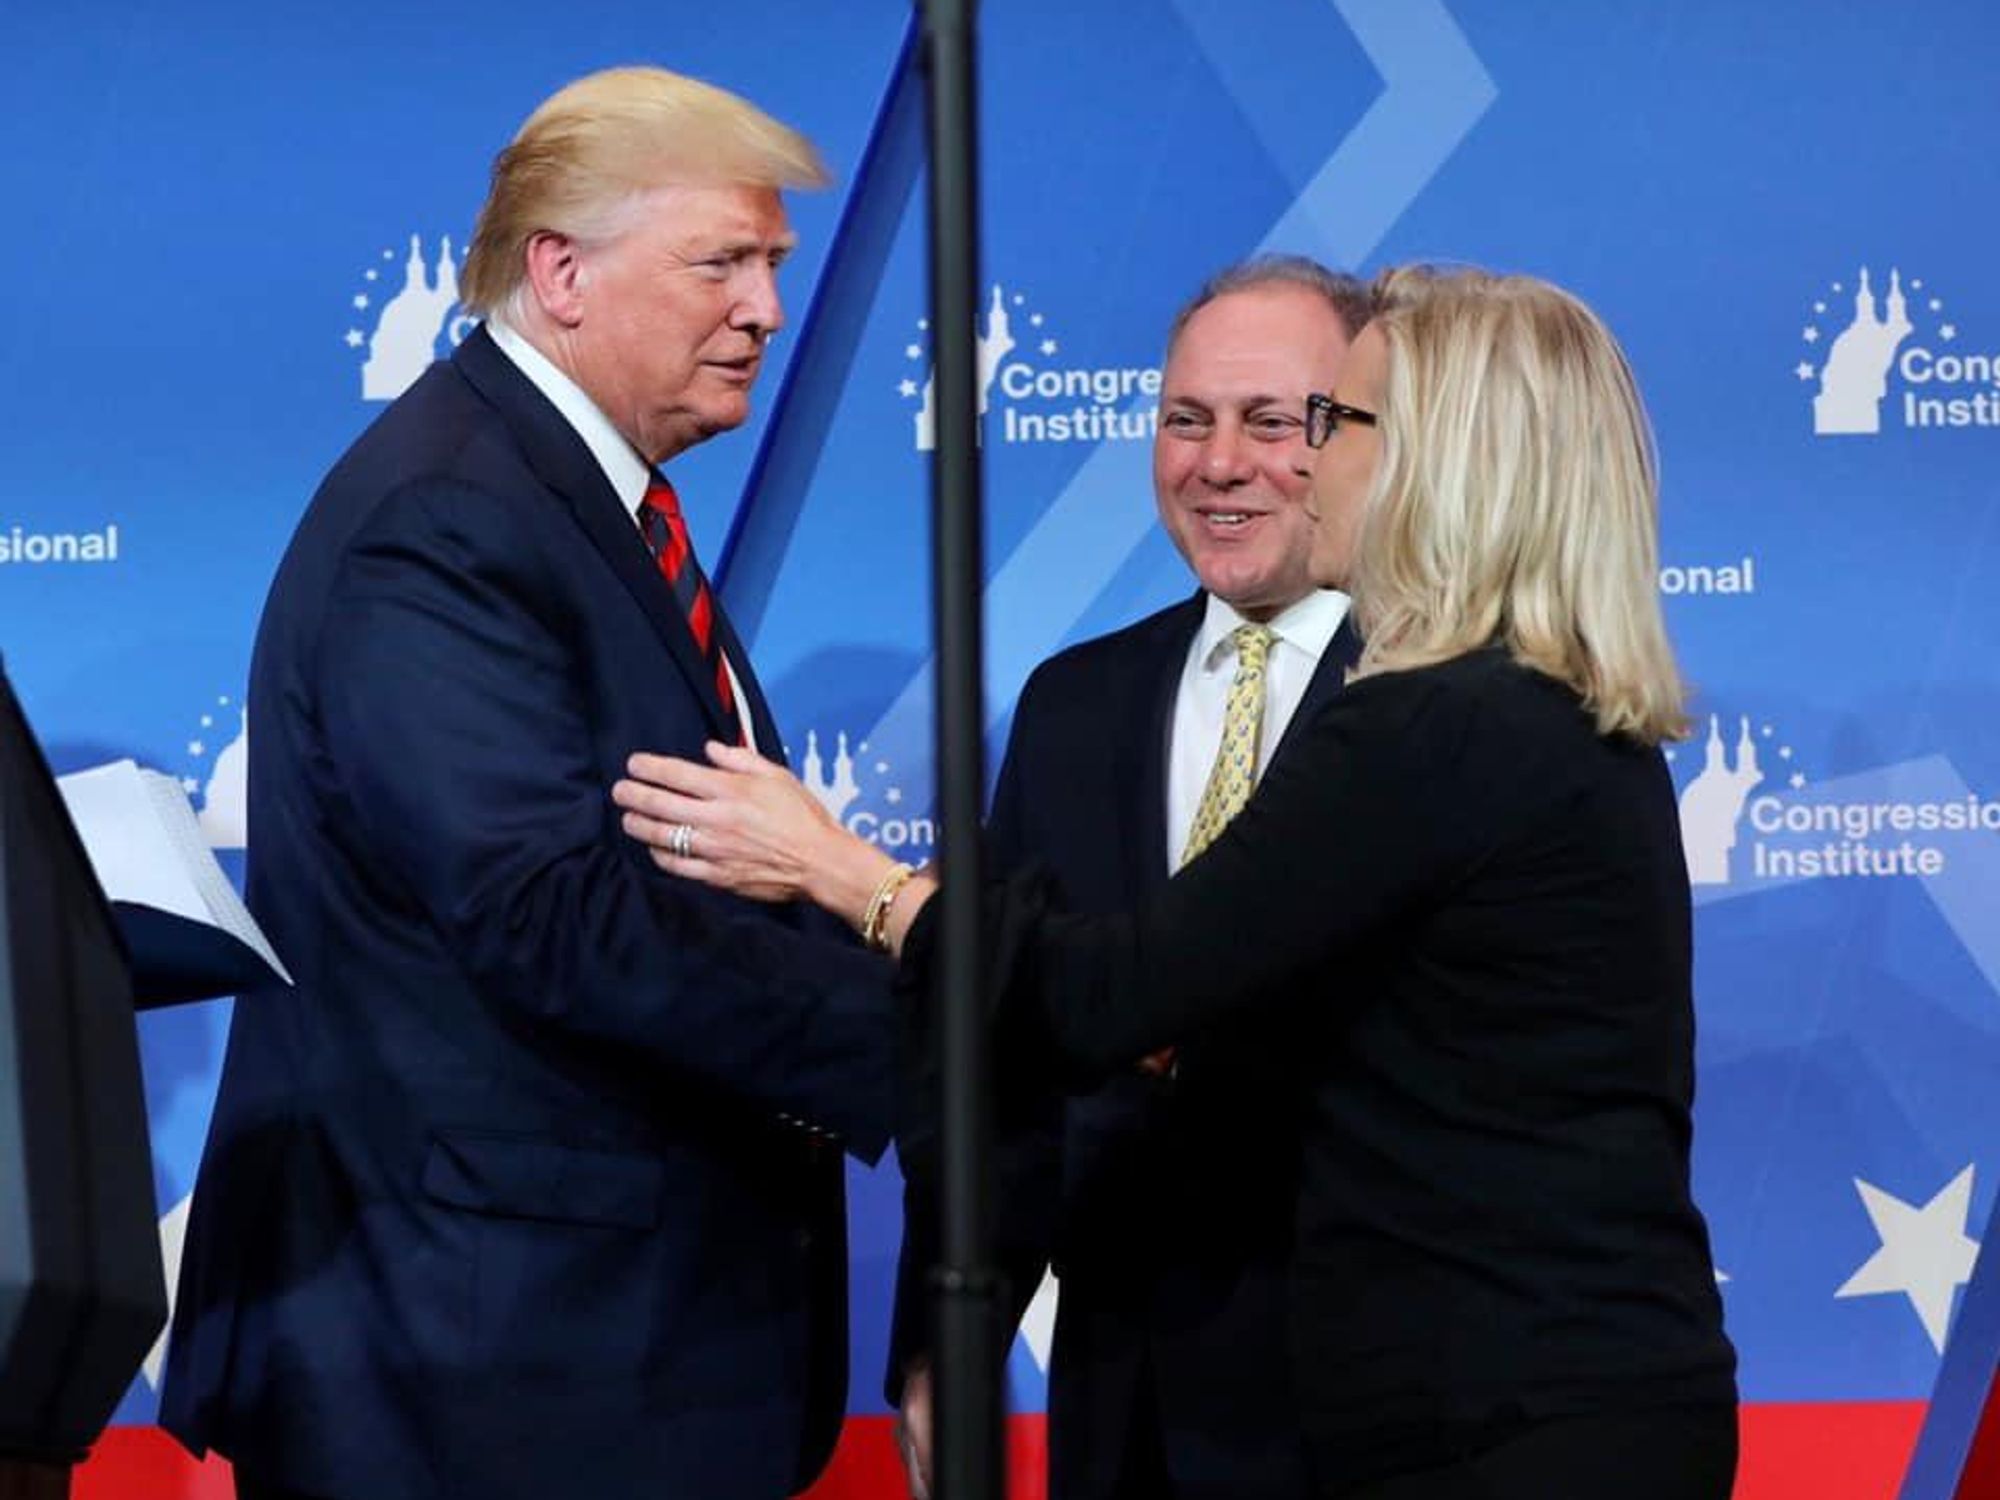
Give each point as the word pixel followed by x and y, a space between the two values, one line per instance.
pixel 1517 498
pixel 594 148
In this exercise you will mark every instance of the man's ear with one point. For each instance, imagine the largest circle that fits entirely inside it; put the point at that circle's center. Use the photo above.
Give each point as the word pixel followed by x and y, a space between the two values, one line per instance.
pixel 556 276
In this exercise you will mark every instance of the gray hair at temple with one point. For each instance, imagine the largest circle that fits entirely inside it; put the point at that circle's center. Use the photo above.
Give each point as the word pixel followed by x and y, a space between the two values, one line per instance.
pixel 1350 297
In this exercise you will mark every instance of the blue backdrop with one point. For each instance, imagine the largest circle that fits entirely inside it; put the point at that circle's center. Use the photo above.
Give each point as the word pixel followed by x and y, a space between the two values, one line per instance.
pixel 1783 210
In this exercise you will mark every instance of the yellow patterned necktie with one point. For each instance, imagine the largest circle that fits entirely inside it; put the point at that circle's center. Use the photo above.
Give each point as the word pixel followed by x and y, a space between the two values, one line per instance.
pixel 1235 769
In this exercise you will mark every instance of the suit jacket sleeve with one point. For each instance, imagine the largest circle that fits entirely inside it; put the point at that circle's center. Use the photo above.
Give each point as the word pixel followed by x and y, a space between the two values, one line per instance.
pixel 457 733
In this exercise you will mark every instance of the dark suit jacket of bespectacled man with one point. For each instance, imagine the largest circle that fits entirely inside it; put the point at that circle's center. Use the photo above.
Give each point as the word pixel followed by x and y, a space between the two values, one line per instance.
pixel 534 1186
pixel 1164 1200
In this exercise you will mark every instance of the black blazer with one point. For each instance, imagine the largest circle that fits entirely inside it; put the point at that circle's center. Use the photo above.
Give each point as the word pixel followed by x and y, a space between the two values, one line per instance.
pixel 1476 909
pixel 528 1189
pixel 1165 1207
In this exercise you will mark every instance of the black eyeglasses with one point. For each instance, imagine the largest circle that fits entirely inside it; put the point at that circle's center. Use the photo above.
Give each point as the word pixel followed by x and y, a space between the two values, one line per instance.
pixel 1324 415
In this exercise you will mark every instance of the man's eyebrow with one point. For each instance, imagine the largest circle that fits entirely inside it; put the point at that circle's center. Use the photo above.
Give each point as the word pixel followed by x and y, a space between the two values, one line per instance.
pixel 734 246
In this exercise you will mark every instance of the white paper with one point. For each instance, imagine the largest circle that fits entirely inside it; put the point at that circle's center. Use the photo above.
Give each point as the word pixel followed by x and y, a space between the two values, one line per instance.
pixel 146 847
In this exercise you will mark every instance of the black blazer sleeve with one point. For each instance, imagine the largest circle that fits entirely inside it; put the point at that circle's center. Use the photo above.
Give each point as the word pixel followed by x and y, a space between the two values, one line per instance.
pixel 1396 790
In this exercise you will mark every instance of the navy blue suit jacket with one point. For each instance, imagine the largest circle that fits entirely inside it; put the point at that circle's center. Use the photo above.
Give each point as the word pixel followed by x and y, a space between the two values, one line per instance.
pixel 1165 1207
pixel 534 1186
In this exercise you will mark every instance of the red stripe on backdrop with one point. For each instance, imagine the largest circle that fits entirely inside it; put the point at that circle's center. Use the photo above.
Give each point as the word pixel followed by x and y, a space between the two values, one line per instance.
pixel 143 1463
pixel 1821 1451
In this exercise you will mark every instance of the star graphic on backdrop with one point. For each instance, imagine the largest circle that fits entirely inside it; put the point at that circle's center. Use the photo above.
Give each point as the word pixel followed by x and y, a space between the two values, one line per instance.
pixel 1937 303
pixel 355 338
pixel 907 388
pixel 1926 1254
pixel 360 300
pixel 1810 335
pixel 1803 370
pixel 370 274
pixel 1048 346
pixel 190 785
pixel 1948 332
pixel 1797 779
pixel 1035 320
pixel 173 1236
pixel 195 747
pixel 1819 307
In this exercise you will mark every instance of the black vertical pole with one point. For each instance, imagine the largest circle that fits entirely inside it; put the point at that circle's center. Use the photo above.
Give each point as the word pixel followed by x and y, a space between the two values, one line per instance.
pixel 968 1455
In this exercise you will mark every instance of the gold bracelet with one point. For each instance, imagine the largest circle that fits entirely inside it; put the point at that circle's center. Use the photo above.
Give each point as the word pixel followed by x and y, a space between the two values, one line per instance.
pixel 875 921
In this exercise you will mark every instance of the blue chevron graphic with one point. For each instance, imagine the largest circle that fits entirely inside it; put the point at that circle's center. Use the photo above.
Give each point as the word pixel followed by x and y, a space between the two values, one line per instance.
pixel 1434 93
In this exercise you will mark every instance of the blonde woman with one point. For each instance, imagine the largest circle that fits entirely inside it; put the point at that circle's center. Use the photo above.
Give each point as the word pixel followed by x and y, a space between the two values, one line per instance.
pixel 1464 896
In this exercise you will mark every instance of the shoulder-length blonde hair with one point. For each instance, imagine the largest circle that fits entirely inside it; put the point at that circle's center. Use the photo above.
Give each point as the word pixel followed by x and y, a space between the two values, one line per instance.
pixel 1516 501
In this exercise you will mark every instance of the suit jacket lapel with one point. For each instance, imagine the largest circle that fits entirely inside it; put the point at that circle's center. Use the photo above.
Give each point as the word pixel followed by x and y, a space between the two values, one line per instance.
pixel 561 461
pixel 1146 810
pixel 762 725
pixel 1341 653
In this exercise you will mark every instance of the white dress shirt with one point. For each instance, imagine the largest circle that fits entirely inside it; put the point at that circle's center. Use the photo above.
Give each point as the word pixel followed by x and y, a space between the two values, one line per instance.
pixel 627 473
pixel 1302 632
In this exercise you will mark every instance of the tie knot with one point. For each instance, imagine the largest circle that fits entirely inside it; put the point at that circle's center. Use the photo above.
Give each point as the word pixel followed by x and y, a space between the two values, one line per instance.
pixel 1253 645
pixel 660 497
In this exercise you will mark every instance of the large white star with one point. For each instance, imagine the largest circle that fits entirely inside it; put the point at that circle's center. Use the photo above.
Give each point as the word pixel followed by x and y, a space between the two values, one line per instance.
pixel 173 1236
pixel 1926 1253
pixel 1038 1323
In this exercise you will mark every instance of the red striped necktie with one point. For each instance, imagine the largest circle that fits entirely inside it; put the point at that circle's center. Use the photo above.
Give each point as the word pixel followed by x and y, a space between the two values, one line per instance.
pixel 666 534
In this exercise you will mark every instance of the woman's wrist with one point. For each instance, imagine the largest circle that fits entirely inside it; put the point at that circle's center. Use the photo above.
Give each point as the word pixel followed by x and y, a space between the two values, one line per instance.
pixel 843 874
pixel 910 900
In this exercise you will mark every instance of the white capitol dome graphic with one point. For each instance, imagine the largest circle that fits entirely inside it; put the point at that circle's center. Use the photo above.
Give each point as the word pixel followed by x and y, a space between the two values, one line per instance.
pixel 1855 376
pixel 219 783
pixel 404 341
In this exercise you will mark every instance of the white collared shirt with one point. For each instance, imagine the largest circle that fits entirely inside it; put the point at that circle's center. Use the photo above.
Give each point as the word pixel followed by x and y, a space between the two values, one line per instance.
pixel 1302 630
pixel 627 473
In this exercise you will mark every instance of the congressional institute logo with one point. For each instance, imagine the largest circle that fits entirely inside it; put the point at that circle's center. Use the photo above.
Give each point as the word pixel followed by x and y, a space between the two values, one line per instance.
pixel 1887 352
pixel 404 318
pixel 1750 816
pixel 859 795
pixel 216 776
pixel 1030 390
